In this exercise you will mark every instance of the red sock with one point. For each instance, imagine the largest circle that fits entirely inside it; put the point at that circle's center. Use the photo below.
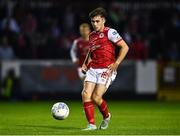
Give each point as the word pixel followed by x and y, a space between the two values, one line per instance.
pixel 89 110
pixel 104 109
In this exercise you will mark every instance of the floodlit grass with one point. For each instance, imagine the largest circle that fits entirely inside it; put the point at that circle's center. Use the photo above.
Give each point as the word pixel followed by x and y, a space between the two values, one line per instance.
pixel 133 117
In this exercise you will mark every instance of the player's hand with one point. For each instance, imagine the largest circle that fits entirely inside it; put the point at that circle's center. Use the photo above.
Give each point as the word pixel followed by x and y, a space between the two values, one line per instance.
pixel 84 68
pixel 113 67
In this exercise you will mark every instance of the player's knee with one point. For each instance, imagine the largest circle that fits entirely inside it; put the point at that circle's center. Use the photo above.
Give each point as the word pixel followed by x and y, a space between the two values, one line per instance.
pixel 82 94
pixel 96 98
pixel 85 94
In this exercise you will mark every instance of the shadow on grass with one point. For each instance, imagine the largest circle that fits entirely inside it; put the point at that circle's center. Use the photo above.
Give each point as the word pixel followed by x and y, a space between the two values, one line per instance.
pixel 50 127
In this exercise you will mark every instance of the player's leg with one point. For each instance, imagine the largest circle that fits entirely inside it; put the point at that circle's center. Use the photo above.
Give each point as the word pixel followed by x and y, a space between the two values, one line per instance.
pixel 88 89
pixel 105 78
pixel 89 85
pixel 88 104
pixel 104 81
pixel 102 105
pixel 97 97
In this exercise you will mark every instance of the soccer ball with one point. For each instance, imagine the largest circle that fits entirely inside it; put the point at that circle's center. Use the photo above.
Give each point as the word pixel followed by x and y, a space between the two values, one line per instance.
pixel 60 111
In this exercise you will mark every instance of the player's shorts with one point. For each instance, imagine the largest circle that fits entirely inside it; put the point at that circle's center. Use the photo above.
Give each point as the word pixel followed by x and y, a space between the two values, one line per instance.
pixel 80 73
pixel 100 76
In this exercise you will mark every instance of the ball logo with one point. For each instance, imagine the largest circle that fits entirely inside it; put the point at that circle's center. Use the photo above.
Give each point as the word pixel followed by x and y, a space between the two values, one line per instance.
pixel 101 35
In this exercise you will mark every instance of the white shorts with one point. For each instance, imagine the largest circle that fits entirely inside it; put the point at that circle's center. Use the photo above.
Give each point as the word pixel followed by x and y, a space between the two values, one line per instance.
pixel 100 76
pixel 80 73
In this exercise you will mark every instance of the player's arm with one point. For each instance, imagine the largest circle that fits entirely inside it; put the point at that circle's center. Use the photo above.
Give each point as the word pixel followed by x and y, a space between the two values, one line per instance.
pixel 86 62
pixel 73 53
pixel 122 53
pixel 117 39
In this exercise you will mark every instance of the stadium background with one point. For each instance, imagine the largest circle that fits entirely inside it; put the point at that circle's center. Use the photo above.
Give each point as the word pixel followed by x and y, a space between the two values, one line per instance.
pixel 44 31
pixel 35 42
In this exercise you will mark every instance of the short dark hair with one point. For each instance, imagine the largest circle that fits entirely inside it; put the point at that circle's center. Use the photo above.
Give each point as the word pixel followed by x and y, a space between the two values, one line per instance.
pixel 85 25
pixel 98 12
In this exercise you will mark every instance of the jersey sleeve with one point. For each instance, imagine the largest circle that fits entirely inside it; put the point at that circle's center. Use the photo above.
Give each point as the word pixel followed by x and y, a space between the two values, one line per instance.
pixel 73 51
pixel 114 36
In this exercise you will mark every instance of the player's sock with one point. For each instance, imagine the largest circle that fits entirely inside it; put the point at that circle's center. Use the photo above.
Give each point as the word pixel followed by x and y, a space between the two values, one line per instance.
pixel 104 109
pixel 89 110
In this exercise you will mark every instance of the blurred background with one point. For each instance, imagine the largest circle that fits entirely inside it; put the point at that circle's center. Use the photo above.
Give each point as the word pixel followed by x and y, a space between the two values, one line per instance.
pixel 36 37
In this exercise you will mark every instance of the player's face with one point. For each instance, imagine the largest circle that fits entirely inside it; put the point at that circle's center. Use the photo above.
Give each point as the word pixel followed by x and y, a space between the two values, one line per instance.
pixel 84 31
pixel 98 23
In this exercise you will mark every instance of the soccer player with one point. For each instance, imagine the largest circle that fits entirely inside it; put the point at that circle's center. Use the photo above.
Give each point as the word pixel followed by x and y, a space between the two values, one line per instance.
pixel 80 48
pixel 101 70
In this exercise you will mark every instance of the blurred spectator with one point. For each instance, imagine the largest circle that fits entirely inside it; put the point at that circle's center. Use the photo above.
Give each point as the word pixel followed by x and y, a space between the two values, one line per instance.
pixel 138 49
pixel 114 14
pixel 127 35
pixel 6 51
pixel 38 30
pixel 0 24
pixel 176 21
pixel 173 53
pixel 69 20
pixel 30 24
pixel 134 23
pixel 55 30
pixel 10 86
pixel 11 24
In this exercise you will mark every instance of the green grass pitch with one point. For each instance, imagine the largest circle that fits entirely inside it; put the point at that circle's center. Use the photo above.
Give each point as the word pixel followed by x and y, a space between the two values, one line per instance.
pixel 128 117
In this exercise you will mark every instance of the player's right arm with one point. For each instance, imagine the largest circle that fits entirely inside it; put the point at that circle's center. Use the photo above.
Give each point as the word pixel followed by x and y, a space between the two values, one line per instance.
pixel 86 62
pixel 73 53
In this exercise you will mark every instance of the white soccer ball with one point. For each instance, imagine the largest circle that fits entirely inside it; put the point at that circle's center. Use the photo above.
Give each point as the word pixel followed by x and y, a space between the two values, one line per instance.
pixel 60 111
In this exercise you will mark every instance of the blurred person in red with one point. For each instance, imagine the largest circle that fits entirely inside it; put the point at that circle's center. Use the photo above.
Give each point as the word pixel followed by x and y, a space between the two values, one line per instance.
pixel 30 24
pixel 102 68
pixel 80 48
pixel 139 49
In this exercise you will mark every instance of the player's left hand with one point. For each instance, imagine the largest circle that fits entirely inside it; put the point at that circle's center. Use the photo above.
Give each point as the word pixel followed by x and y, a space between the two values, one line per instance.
pixel 84 68
pixel 113 67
